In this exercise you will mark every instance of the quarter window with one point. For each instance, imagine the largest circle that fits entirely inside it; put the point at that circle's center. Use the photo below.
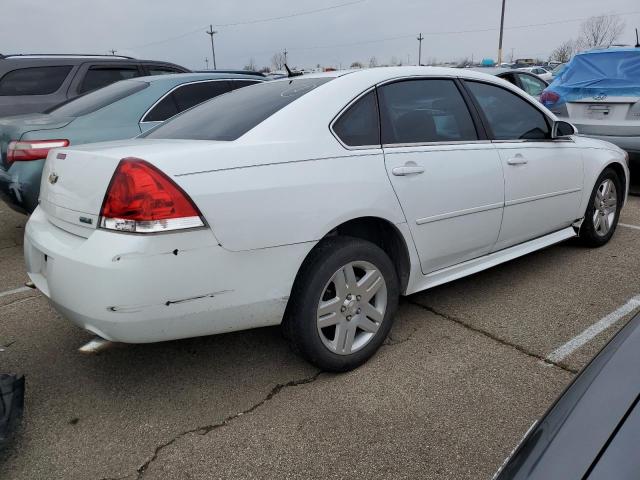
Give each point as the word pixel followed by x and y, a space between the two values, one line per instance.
pixel 34 80
pixel 510 117
pixel 359 125
pixel 98 77
pixel 422 111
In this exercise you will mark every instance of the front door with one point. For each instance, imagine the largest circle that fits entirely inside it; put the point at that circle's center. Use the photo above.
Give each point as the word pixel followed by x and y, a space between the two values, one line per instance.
pixel 543 177
pixel 449 181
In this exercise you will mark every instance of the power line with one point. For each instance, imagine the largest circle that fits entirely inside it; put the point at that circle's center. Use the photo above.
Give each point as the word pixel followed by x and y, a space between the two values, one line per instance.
pixel 249 22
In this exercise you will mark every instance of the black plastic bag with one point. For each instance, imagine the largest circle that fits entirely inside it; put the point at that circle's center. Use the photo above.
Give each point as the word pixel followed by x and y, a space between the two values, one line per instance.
pixel 11 404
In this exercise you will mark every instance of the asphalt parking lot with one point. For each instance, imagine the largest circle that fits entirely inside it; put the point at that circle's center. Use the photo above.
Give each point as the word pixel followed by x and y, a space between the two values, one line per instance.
pixel 467 369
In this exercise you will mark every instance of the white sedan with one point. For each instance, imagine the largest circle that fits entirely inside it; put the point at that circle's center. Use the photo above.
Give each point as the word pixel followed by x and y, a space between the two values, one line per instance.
pixel 541 72
pixel 313 202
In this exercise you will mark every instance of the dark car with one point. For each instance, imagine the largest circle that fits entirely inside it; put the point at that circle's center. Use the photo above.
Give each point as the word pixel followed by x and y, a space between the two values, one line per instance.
pixel 35 83
pixel 592 432
pixel 529 82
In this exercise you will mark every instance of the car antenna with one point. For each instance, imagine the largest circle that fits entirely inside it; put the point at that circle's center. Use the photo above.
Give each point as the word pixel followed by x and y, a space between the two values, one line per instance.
pixel 290 73
pixel 637 40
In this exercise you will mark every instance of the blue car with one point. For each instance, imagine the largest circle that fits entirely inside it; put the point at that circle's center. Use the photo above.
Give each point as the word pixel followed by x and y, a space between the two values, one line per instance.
pixel 599 92
pixel 121 110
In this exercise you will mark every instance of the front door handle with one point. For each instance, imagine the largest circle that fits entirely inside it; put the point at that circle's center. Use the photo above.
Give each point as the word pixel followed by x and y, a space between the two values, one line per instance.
pixel 518 159
pixel 409 168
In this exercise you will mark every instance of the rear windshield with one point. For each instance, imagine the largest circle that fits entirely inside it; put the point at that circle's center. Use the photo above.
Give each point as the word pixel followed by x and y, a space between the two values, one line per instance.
pixel 94 101
pixel 34 80
pixel 230 116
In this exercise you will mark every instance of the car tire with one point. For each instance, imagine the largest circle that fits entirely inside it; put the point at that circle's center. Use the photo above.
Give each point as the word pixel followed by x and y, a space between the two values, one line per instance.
pixel 342 303
pixel 603 210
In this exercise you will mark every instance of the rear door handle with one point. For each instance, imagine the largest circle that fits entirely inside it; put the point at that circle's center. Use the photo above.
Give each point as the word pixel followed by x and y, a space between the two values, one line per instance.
pixel 408 169
pixel 518 159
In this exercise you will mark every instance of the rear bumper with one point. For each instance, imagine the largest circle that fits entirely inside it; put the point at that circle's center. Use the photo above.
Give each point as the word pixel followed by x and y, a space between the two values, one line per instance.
pixel 139 289
pixel 20 185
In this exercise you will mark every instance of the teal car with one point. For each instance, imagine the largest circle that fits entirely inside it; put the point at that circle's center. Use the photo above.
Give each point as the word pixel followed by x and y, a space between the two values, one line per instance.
pixel 121 110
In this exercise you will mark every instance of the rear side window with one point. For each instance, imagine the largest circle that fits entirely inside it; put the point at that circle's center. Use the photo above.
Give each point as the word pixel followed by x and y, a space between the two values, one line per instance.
pixel 532 85
pixel 185 97
pixel 359 125
pixel 94 101
pixel 230 116
pixel 235 84
pixel 34 80
pixel 423 111
pixel 98 77
pixel 510 117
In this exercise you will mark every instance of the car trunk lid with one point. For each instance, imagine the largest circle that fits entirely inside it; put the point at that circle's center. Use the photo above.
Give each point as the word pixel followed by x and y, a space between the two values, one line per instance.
pixel 603 115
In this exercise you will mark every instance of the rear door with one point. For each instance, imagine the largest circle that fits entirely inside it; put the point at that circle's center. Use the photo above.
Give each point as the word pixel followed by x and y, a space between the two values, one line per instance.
pixel 543 178
pixel 445 173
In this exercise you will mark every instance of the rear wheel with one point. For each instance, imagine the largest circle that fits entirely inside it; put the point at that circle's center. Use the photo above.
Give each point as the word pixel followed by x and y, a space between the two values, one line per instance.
pixel 342 304
pixel 601 217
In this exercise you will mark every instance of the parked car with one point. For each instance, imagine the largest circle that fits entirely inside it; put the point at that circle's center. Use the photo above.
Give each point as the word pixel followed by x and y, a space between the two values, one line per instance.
pixel 527 81
pixel 541 72
pixel 35 83
pixel 599 91
pixel 120 110
pixel 592 431
pixel 313 202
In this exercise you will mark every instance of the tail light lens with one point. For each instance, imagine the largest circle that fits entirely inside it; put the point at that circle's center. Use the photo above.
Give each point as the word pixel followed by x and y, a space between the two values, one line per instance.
pixel 549 98
pixel 22 151
pixel 142 199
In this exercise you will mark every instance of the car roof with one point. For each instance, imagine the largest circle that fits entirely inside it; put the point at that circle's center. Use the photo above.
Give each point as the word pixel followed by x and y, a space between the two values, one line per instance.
pixel 195 76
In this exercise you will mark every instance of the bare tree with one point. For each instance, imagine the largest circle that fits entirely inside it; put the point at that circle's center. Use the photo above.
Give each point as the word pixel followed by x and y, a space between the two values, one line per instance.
pixel 278 61
pixel 563 52
pixel 356 65
pixel 251 66
pixel 373 62
pixel 600 31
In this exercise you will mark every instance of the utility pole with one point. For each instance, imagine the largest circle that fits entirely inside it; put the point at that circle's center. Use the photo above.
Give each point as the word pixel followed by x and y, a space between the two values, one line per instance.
pixel 211 32
pixel 501 32
pixel 285 55
pixel 113 52
pixel 206 62
pixel 420 38
pixel 512 55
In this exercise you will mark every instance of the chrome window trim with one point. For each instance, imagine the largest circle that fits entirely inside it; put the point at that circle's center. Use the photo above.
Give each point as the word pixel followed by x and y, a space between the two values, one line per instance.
pixel 436 144
pixel 142 118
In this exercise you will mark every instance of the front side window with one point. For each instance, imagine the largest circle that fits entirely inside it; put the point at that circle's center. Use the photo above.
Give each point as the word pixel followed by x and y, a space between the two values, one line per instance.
pixel 422 111
pixel 532 85
pixel 510 117
pixel 228 117
pixel 359 125
pixel 34 80
pixel 98 77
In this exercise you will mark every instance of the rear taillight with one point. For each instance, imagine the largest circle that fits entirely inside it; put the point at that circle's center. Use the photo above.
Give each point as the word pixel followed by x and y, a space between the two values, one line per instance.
pixel 22 151
pixel 549 98
pixel 142 199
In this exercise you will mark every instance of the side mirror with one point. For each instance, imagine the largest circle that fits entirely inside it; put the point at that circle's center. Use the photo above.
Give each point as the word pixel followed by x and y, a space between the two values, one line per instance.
pixel 562 129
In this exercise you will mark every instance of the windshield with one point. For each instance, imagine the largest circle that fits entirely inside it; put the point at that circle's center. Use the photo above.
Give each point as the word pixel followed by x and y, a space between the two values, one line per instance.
pixel 98 99
pixel 230 116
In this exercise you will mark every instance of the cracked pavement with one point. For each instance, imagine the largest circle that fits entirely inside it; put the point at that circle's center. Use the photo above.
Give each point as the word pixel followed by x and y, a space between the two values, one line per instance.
pixel 453 389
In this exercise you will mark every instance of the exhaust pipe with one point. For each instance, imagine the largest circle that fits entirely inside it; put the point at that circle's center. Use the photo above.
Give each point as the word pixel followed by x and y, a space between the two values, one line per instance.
pixel 95 346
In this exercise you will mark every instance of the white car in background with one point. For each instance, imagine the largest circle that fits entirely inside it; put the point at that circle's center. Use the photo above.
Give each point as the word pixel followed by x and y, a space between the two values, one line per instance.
pixel 541 72
pixel 313 202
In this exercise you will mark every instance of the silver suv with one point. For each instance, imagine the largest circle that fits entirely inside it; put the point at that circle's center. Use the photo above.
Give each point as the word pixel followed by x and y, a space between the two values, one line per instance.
pixel 35 83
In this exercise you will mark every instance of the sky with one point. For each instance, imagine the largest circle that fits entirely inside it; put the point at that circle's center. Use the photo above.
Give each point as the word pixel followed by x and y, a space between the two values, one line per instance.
pixel 355 30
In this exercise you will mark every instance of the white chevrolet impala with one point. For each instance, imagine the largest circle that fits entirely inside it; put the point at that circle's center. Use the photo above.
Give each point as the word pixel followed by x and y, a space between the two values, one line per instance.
pixel 313 202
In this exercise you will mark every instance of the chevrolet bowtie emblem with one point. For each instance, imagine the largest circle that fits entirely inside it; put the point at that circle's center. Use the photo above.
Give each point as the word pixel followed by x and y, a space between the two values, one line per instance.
pixel 53 178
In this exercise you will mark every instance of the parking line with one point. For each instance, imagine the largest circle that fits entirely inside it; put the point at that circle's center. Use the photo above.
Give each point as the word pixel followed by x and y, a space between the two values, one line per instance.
pixel 15 290
pixel 629 226
pixel 578 341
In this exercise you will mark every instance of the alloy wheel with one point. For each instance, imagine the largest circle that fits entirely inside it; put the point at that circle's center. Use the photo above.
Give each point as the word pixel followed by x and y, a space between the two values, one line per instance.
pixel 605 207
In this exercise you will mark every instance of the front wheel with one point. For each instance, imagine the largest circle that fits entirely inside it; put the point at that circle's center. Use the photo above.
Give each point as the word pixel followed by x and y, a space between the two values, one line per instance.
pixel 601 217
pixel 342 303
